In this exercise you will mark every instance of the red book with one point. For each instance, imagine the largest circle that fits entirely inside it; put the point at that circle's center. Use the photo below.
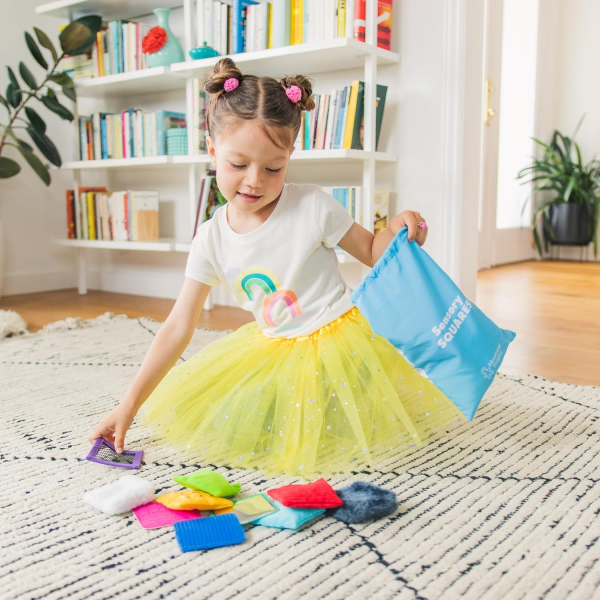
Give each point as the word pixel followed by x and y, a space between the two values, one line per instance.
pixel 360 24
pixel 71 214
pixel 126 214
pixel 90 140
pixel 384 24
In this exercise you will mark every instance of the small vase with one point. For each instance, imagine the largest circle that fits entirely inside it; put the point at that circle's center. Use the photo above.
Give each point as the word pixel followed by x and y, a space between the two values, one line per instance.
pixel 171 52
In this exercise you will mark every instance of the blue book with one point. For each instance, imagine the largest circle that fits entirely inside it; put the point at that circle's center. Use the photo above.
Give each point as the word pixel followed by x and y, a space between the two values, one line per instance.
pixel 115 32
pixel 131 133
pixel 282 18
pixel 342 117
pixel 237 24
pixel 103 137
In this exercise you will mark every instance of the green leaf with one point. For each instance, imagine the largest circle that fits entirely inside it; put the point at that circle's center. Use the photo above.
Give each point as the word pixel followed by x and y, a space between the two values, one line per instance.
pixel 67 84
pixel 12 77
pixel 35 51
pixel 28 78
pixel 36 165
pixel 24 145
pixel 3 101
pixel 45 42
pixel 62 79
pixel 70 93
pixel 51 103
pixel 47 148
pixel 79 36
pixel 13 95
pixel 8 167
pixel 36 121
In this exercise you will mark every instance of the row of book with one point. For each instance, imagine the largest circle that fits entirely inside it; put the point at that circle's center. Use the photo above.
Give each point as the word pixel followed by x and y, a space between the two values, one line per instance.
pixel 132 133
pixel 350 197
pixel 118 48
pixel 337 121
pixel 94 213
pixel 249 25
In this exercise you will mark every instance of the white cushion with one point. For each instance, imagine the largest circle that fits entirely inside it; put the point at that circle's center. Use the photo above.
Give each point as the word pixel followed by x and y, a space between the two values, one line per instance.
pixel 121 496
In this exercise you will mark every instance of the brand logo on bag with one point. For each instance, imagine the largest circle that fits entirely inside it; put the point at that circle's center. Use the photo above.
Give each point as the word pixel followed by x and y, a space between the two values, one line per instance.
pixel 490 369
pixel 457 313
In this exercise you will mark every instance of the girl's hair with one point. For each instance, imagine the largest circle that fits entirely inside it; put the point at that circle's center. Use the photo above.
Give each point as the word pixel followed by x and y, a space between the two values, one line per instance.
pixel 261 99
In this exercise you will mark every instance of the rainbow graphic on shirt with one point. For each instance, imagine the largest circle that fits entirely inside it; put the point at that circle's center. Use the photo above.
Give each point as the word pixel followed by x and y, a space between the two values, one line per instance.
pixel 265 280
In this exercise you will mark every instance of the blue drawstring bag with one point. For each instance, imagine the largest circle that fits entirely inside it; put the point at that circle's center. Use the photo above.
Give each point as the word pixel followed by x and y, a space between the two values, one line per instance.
pixel 409 300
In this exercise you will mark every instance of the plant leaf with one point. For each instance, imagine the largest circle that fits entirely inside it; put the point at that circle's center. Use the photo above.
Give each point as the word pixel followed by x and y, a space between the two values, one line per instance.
pixel 3 101
pixel 45 42
pixel 70 93
pixel 36 121
pixel 51 103
pixel 13 95
pixel 12 77
pixel 47 148
pixel 62 79
pixel 35 51
pixel 24 145
pixel 79 35
pixel 28 78
pixel 8 167
pixel 36 165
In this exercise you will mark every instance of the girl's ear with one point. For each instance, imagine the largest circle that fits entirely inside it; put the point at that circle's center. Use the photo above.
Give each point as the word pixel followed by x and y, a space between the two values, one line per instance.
pixel 211 151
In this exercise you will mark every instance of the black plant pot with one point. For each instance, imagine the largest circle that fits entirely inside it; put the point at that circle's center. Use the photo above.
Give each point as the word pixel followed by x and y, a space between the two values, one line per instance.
pixel 572 225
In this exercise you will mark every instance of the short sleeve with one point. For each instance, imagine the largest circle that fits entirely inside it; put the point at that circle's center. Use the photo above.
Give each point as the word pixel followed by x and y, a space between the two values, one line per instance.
pixel 333 219
pixel 198 265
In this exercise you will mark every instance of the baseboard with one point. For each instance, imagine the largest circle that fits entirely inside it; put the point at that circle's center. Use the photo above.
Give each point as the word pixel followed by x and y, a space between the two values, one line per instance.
pixel 31 283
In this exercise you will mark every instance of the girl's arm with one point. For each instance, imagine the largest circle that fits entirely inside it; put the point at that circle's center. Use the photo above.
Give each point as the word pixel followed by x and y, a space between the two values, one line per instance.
pixel 366 247
pixel 167 346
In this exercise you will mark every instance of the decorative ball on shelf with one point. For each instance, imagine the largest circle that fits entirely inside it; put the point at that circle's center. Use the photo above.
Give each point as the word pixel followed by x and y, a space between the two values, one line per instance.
pixel 154 40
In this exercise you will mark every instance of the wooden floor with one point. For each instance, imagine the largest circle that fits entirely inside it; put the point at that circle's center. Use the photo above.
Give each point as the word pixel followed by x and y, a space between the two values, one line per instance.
pixel 554 307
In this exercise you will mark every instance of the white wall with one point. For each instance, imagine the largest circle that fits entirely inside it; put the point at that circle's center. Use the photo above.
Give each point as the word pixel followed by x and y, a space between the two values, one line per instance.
pixel 569 87
pixel 412 128
pixel 29 210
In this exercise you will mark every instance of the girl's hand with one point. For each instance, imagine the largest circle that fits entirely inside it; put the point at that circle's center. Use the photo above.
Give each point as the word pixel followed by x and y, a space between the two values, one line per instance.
pixel 410 219
pixel 114 426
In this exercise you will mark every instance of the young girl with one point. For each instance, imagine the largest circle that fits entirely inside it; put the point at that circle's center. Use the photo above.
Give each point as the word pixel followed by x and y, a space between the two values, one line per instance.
pixel 308 388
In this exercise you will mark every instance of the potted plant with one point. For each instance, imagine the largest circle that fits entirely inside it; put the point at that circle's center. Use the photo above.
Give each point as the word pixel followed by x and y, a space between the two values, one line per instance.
pixel 570 215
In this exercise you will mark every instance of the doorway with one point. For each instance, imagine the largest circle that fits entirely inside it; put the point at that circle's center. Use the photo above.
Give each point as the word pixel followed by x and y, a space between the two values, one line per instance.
pixel 509 107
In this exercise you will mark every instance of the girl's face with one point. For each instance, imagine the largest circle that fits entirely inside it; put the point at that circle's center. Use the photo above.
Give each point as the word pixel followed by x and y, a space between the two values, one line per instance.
pixel 250 167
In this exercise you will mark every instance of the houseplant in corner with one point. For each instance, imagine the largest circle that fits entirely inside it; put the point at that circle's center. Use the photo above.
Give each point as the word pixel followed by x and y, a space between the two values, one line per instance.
pixel 570 216
pixel 76 38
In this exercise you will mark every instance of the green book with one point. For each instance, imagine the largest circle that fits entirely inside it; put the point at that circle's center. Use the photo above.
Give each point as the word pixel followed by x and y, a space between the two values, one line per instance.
pixel 358 132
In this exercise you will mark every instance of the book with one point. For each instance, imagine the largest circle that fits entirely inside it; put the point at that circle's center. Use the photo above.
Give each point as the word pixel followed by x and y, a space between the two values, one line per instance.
pixel 381 201
pixel 199 207
pixel 70 200
pixel 238 23
pixel 360 23
pixel 384 24
pixel 281 10
pixel 350 116
pixel 143 208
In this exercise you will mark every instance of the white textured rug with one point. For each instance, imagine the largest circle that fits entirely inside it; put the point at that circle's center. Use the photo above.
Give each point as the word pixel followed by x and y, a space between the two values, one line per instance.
pixel 505 507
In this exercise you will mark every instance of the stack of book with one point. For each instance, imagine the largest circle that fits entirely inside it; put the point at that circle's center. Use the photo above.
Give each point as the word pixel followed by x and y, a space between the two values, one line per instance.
pixel 94 213
pixel 209 200
pixel 337 122
pixel 132 133
pixel 249 25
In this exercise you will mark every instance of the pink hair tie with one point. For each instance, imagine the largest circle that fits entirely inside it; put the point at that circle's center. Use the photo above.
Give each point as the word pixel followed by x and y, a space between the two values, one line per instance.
pixel 231 84
pixel 293 93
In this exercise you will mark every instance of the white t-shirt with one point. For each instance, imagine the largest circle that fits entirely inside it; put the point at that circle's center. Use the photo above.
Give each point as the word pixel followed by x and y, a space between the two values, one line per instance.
pixel 286 271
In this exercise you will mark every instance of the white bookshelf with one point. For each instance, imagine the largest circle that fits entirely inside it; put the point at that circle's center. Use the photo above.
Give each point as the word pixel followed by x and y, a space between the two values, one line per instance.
pixel 334 55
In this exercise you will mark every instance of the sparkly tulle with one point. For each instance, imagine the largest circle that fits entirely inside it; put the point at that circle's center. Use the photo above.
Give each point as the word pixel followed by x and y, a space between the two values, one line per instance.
pixel 334 401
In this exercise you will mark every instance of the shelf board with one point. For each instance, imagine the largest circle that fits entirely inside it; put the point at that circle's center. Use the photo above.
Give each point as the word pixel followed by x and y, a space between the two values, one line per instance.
pixel 144 81
pixel 109 9
pixel 160 245
pixel 308 157
pixel 126 163
pixel 317 57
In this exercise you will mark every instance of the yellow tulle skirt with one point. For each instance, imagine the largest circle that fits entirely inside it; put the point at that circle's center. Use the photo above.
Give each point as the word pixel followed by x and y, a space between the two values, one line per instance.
pixel 335 401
